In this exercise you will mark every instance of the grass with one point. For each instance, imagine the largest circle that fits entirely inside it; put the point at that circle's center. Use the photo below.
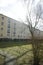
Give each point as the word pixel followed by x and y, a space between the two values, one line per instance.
pixel 20 51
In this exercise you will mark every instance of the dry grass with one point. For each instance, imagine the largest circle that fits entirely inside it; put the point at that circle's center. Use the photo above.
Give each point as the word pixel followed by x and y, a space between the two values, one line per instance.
pixel 22 52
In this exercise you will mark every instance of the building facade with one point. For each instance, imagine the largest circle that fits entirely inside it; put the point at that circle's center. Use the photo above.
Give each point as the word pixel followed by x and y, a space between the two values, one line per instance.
pixel 38 34
pixel 13 29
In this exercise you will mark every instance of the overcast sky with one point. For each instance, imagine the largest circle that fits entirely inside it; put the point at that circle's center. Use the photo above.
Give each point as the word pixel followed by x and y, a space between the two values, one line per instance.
pixel 15 8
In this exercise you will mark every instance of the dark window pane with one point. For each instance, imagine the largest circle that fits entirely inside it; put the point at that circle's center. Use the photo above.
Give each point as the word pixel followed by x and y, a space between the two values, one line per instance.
pixel 8 34
pixel 1 28
pixel 8 20
pixel 2 18
pixel 1 34
pixel 8 31
pixel 2 23
pixel 18 35
pixel 8 26
pixel 14 33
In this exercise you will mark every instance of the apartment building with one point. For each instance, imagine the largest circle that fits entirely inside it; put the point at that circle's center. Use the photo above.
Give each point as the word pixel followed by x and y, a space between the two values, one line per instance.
pixel 38 34
pixel 13 29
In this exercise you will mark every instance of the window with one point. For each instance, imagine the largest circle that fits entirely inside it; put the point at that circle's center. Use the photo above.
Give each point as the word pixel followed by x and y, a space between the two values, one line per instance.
pixel 2 23
pixel 8 31
pixel 8 25
pixel 18 36
pixel 14 33
pixel 24 36
pixel 8 34
pixel 1 34
pixel 2 18
pixel 8 20
pixel 14 24
pixel 2 28
pixel 14 28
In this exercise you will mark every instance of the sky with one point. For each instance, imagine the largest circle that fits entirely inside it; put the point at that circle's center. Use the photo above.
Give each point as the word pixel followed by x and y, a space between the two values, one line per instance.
pixel 15 9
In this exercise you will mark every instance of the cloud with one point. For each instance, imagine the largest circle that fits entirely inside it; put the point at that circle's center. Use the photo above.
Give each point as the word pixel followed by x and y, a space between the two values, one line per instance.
pixel 4 3
pixel 13 9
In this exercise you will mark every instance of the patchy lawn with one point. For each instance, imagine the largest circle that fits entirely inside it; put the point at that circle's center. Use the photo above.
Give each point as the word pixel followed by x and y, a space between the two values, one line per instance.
pixel 20 53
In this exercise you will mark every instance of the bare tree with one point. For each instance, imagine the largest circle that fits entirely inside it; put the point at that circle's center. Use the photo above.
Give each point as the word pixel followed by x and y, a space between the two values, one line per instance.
pixel 32 26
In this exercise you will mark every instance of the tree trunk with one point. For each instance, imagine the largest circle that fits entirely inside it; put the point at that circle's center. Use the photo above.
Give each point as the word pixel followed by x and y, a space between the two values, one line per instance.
pixel 35 52
pixel 36 60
